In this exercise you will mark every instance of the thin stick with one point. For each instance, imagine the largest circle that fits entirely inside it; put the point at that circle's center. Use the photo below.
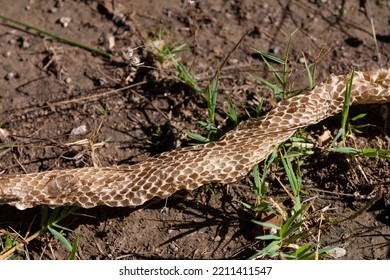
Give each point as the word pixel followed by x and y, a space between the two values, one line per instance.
pixel 95 95
pixel 373 30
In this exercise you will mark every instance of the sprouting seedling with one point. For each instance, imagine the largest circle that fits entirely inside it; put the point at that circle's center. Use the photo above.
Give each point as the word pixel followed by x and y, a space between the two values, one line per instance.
pixel 50 223
pixel 210 95
pixel 163 50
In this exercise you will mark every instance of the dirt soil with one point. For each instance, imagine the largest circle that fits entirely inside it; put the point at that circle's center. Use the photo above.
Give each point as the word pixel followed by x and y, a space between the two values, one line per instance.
pixel 49 88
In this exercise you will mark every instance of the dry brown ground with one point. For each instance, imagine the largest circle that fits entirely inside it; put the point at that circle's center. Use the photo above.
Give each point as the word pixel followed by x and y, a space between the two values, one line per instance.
pixel 208 224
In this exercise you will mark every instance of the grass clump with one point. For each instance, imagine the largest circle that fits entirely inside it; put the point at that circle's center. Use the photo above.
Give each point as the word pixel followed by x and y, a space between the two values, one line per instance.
pixel 49 222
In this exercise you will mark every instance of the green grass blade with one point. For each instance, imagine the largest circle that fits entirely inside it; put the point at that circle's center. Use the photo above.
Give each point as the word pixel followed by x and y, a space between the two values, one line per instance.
pixel 268 237
pixel 368 152
pixel 273 87
pixel 302 250
pixel 259 107
pixel 54 215
pixel 211 97
pixel 269 57
pixel 184 75
pixel 293 219
pixel 265 224
pixel 8 145
pixel 346 105
pixel 293 228
pixel 293 178
pixel 44 215
pixel 61 238
pixel 311 75
pixel 61 227
pixel 74 246
pixel 232 112
pixel 271 249
pixel 57 37
pixel 358 117
pixel 292 239
pixel 286 71
pixel 197 137
pixel 256 177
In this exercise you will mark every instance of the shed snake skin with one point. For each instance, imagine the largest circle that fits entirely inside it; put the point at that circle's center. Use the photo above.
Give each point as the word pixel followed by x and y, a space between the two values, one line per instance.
pixel 188 168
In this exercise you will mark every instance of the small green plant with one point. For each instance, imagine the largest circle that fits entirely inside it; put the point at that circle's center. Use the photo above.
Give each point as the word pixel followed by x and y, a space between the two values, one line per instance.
pixel 344 116
pixel 49 222
pixel 348 128
pixel 289 239
pixel 210 95
pixel 280 86
pixel 155 139
pixel 7 242
pixel 186 76
pixel 294 178
pixel 356 128
pixel 232 112
pixel 284 242
pixel 167 51
pixel 367 152
pixel 163 50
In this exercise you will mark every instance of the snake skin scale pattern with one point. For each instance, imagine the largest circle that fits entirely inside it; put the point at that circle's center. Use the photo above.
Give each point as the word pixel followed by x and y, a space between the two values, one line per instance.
pixel 225 161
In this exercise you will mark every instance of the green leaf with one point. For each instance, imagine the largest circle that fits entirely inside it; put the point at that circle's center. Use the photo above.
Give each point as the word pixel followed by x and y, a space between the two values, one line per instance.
pixel 358 117
pixel 74 247
pixel 232 112
pixel 345 150
pixel 271 249
pixel 44 215
pixel 294 217
pixel 269 57
pixel 265 224
pixel 345 113
pixel 304 249
pixel 197 137
pixel 259 107
pixel 273 87
pixel 184 74
pixel 61 227
pixel 268 237
pixel 256 178
pixel 54 215
pixel 61 238
pixel 211 98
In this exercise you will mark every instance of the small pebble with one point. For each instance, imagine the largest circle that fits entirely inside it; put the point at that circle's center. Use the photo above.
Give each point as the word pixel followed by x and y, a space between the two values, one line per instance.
pixel 3 134
pixel 10 76
pixel 337 252
pixel 82 129
pixel 101 81
pixel 301 60
pixel 68 80
pixel 274 50
pixel 25 44
pixel 65 21
pixel 109 41
pixel 12 41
